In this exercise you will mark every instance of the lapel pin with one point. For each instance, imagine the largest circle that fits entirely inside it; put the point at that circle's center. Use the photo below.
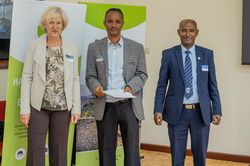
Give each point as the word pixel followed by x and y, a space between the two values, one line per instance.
pixel 199 58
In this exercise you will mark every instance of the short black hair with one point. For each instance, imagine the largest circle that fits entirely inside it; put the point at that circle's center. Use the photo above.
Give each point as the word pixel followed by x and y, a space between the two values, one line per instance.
pixel 113 10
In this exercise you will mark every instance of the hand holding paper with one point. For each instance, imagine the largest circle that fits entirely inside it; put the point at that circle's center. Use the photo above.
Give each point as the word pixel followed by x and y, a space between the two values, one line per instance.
pixel 119 93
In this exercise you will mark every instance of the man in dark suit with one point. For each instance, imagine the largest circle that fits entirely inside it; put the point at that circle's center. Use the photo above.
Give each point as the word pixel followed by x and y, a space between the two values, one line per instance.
pixel 187 97
pixel 116 62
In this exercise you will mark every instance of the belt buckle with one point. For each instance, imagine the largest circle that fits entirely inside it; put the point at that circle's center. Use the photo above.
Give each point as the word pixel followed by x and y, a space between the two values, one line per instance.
pixel 189 106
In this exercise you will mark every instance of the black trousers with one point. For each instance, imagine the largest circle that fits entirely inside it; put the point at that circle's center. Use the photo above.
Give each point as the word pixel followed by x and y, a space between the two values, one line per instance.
pixel 57 125
pixel 123 115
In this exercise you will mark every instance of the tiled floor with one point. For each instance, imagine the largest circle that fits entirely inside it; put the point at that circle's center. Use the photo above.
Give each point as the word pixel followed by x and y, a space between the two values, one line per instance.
pixel 152 158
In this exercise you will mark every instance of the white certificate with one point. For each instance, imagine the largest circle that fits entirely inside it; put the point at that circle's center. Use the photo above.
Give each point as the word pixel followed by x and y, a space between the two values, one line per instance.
pixel 119 93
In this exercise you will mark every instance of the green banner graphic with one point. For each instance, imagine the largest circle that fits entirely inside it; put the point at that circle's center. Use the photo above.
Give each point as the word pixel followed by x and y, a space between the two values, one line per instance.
pixel 133 15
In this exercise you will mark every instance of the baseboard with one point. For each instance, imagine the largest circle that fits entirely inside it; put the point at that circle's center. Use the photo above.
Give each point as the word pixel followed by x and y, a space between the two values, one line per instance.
pixel 211 155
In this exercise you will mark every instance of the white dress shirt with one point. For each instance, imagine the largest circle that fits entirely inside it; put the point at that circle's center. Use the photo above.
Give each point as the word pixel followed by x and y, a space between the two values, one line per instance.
pixel 115 67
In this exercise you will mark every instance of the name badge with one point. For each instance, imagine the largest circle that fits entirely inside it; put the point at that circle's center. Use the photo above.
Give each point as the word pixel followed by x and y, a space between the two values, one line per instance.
pixel 204 67
pixel 70 57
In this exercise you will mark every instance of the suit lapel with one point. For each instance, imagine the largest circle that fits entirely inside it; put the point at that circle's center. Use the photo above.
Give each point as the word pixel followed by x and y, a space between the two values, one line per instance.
pixel 178 55
pixel 199 59
pixel 40 57
pixel 104 53
pixel 125 57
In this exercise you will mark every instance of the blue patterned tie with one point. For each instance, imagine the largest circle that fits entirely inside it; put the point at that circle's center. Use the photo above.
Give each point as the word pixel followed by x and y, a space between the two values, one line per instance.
pixel 188 76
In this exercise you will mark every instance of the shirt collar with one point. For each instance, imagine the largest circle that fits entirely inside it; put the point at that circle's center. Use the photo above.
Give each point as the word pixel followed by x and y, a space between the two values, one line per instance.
pixel 192 49
pixel 120 43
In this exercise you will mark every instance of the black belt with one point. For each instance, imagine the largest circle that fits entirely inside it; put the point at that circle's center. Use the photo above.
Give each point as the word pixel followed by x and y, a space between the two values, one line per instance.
pixel 119 101
pixel 191 106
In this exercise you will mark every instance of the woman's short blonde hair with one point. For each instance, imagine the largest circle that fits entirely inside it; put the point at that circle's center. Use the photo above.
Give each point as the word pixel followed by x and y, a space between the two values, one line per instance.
pixel 52 12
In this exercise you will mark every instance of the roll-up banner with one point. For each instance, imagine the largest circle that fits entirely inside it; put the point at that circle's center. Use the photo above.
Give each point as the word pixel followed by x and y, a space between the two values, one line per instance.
pixel 134 28
pixel 25 27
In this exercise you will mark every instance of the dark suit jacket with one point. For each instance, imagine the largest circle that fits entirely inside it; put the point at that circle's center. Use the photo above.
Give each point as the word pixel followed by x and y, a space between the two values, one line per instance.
pixel 134 72
pixel 171 89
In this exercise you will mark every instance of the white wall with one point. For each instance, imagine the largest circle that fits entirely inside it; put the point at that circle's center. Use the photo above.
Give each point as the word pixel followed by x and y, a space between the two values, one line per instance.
pixel 220 29
pixel 220 24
